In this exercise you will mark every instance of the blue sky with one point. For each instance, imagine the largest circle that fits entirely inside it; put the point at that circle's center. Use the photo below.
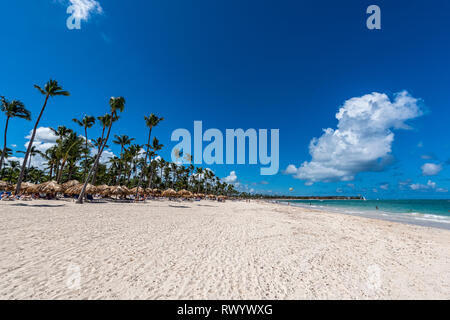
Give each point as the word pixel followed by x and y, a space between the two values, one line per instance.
pixel 246 64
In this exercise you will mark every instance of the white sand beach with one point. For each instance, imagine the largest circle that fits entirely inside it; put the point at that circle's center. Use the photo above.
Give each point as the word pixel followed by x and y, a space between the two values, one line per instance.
pixel 211 250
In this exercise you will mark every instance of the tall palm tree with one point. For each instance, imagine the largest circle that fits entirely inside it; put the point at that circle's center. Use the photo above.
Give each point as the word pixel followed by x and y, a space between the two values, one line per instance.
pixel 51 89
pixel 199 173
pixel 123 141
pixel 104 121
pixel 86 122
pixel 151 122
pixel 70 146
pixel 156 146
pixel 116 104
pixel 13 109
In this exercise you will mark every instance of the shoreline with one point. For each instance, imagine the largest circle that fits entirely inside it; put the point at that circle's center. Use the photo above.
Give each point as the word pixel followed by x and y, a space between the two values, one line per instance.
pixel 210 250
pixel 418 219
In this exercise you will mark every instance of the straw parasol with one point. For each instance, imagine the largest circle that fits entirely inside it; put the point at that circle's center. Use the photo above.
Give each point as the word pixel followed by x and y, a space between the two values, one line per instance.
pixel 70 184
pixel 28 187
pixel 141 190
pixel 6 186
pixel 118 191
pixel 169 193
pixel 76 189
pixel 126 190
pixel 49 187
pixel 103 189
pixel 184 193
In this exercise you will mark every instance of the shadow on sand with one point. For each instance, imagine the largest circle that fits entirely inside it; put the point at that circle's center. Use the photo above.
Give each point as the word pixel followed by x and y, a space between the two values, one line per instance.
pixel 179 207
pixel 38 205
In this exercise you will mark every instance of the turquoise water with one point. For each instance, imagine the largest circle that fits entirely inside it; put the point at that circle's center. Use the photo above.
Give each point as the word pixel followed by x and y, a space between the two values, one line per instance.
pixel 435 213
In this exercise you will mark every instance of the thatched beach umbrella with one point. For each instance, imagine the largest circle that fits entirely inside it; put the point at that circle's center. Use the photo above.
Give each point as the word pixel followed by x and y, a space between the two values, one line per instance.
pixel 29 188
pixel 5 186
pixel 103 189
pixel 49 187
pixel 185 193
pixel 76 189
pixel 70 184
pixel 118 191
pixel 126 190
pixel 169 193
pixel 71 191
pixel 141 191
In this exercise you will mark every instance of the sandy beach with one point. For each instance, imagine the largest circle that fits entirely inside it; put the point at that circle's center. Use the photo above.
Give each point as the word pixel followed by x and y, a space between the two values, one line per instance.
pixel 211 250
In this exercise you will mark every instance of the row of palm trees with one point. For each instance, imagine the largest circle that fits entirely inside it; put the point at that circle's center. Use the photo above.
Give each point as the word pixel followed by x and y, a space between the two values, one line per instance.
pixel 72 156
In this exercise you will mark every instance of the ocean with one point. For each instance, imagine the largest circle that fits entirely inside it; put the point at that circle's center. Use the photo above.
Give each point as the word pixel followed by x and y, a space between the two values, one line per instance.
pixel 431 213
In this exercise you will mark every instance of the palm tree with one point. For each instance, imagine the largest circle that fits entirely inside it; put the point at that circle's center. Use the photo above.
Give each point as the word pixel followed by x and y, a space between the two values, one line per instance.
pixel 133 151
pixel 13 109
pixel 123 141
pixel 151 122
pixel 70 147
pixel 155 148
pixel 86 122
pixel 104 120
pixel 51 89
pixel 117 104
pixel 199 172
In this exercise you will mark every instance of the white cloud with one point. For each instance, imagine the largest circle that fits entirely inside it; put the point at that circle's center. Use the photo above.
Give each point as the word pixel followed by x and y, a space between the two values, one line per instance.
pixel 43 140
pixel 431 169
pixel 107 154
pixel 417 186
pixel 291 169
pixel 85 8
pixel 363 138
pixel 384 186
pixel 43 135
pixel 232 178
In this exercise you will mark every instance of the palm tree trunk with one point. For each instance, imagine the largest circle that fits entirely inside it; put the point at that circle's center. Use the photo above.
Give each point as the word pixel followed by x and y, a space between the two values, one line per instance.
pixel 94 178
pixel 145 163
pixel 61 171
pixel 150 182
pixel 97 159
pixel 51 172
pixel 25 177
pixel 4 145
pixel 30 144
pixel 120 166
pixel 70 172
pixel 85 152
